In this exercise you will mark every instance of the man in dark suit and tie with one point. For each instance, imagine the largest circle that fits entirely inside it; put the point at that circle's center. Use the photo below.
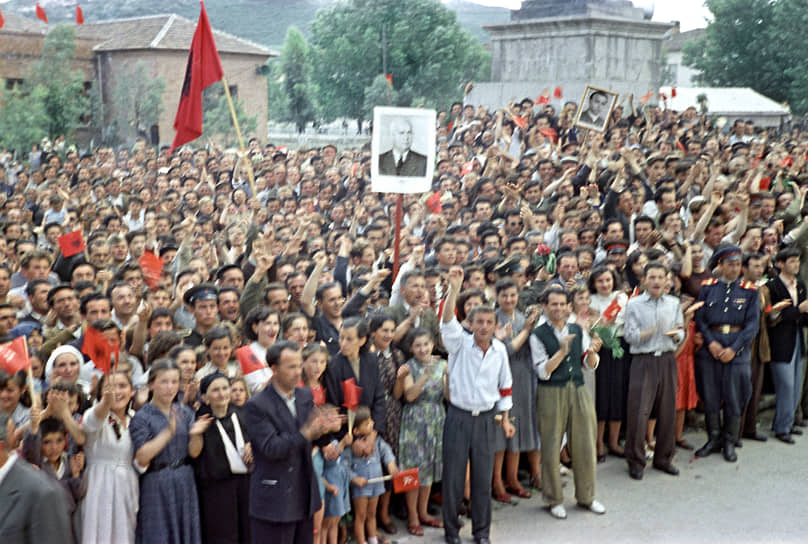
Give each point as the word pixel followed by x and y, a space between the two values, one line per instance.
pixel 401 160
pixel 282 422
pixel 32 508
pixel 596 111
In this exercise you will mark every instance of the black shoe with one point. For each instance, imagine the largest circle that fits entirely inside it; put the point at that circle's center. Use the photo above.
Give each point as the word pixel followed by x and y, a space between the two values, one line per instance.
pixel 635 473
pixel 452 539
pixel 784 437
pixel 482 540
pixel 795 431
pixel 800 423
pixel 731 427
pixel 713 445
pixel 668 469
pixel 760 437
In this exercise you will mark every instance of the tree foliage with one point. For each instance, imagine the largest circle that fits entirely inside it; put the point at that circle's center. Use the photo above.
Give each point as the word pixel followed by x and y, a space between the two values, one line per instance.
pixel 63 94
pixel 23 120
pixel 429 54
pixel 218 122
pixel 378 93
pixel 137 101
pixel 297 85
pixel 755 43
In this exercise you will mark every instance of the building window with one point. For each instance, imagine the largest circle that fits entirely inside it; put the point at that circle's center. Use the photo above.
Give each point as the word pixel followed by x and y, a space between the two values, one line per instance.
pixel 13 83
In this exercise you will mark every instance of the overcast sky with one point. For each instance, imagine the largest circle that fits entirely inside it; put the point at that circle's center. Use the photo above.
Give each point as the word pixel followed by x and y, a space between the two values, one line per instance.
pixel 690 13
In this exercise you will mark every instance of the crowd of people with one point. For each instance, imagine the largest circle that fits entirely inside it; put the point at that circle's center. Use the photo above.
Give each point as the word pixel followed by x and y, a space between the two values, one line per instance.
pixel 562 295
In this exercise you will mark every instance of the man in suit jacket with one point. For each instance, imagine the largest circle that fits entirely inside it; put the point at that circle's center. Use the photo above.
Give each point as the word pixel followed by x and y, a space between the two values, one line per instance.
pixel 788 316
pixel 401 160
pixel 32 508
pixel 597 110
pixel 281 422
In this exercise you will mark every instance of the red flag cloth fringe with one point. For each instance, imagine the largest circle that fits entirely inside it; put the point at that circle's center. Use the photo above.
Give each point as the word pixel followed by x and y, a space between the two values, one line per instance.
pixel 611 310
pixel 14 356
pixel 673 92
pixel 433 202
pixel 41 15
pixel 248 361
pixel 350 394
pixel 79 16
pixel 557 93
pixel 521 122
pixel 152 267
pixel 203 69
pixel 406 480
pixel 71 243
pixel 97 347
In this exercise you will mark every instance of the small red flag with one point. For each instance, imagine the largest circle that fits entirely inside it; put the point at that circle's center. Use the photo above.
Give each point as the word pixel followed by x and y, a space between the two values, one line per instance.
pixel 663 96
pixel 97 347
pixel 71 243
pixel 79 16
pixel 635 292
pixel 550 133
pixel 787 161
pixel 40 14
pixel 467 168
pixel 350 394
pixel 521 122
pixel 557 93
pixel 389 78
pixel 611 310
pixel 248 361
pixel 433 202
pixel 203 69
pixel 646 97
pixel 673 92
pixel 14 356
pixel 680 145
pixel 152 267
pixel 406 480
pixel 2 20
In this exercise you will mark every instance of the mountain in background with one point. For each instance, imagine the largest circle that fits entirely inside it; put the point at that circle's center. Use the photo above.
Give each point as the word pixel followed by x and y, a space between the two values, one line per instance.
pixel 261 21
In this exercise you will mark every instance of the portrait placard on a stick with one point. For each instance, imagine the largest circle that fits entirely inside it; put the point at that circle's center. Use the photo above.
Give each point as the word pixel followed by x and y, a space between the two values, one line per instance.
pixel 403 150
pixel 595 108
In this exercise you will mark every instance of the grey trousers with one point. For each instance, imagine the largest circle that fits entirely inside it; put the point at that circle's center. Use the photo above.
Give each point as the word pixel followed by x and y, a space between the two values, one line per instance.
pixel 468 439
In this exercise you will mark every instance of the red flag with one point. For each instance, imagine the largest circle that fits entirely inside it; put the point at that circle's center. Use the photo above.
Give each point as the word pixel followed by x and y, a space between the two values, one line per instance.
pixel 40 14
pixel 152 267
pixel 2 20
pixel 351 393
pixel 433 202
pixel 680 145
pixel 521 122
pixel 550 133
pixel 557 93
pixel 203 69
pixel 663 96
pixel 406 480
pixel 611 310
pixel 248 361
pixel 71 243
pixel 673 92
pixel 635 292
pixel 389 78
pixel 14 356
pixel 467 168
pixel 646 97
pixel 97 347
pixel 79 16
pixel 544 97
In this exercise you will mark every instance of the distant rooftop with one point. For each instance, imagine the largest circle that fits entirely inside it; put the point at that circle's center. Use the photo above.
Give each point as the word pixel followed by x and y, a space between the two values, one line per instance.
pixel 679 39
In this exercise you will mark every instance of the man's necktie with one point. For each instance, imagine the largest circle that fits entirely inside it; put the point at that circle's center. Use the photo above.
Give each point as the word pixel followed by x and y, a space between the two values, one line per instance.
pixel 399 165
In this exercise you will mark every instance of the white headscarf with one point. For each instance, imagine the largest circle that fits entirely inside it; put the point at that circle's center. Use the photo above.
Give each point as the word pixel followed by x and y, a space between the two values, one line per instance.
pixel 61 350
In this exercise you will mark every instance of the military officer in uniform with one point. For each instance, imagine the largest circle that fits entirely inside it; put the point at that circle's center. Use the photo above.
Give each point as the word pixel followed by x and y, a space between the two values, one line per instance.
pixel 203 301
pixel 728 321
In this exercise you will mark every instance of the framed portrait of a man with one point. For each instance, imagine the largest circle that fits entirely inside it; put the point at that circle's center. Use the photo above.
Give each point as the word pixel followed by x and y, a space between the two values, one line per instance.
pixel 403 150
pixel 595 108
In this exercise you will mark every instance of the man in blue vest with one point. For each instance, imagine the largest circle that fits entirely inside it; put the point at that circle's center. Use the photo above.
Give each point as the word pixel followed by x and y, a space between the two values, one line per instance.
pixel 564 404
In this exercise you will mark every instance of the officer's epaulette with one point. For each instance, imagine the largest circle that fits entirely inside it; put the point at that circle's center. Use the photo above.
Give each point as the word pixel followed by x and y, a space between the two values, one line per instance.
pixel 709 281
pixel 748 285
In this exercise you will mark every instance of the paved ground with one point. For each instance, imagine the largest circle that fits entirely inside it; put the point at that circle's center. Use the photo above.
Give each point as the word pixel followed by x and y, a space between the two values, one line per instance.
pixel 763 498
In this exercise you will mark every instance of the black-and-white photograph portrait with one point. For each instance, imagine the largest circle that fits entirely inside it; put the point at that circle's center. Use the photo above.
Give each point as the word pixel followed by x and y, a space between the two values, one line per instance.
pixel 595 108
pixel 403 161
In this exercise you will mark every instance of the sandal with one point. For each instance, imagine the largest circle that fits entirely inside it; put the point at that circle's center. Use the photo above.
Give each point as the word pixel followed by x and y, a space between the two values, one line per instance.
pixel 415 530
pixel 389 527
pixel 504 498
pixel 432 522
pixel 519 492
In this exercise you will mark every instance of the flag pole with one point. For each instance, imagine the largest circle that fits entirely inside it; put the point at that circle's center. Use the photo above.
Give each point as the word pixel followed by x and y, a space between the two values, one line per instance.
pixel 250 174
pixel 35 400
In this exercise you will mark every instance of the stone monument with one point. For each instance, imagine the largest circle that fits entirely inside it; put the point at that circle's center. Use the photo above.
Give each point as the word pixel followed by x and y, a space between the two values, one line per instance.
pixel 572 43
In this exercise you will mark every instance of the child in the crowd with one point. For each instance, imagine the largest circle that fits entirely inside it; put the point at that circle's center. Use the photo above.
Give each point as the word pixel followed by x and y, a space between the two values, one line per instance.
pixel 45 445
pixel 15 401
pixel 369 454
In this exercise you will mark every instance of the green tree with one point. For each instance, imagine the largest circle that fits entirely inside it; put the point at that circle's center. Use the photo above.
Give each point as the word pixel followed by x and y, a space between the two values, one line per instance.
pixel 754 43
pixel 64 96
pixel 379 93
pixel 137 101
pixel 23 119
pixel 427 52
pixel 278 102
pixel 218 122
pixel 296 70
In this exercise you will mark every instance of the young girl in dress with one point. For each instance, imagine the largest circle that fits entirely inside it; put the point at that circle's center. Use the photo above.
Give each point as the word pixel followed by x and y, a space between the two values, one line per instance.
pixel 15 401
pixel 334 476
pixel 369 454
pixel 109 510
pixel 164 434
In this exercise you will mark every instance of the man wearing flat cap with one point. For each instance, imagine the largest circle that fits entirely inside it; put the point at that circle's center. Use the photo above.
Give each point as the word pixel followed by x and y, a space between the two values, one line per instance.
pixel 729 321
pixel 203 301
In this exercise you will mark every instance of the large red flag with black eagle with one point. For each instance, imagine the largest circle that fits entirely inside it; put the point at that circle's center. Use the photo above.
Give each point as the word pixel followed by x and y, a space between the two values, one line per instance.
pixel 203 69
